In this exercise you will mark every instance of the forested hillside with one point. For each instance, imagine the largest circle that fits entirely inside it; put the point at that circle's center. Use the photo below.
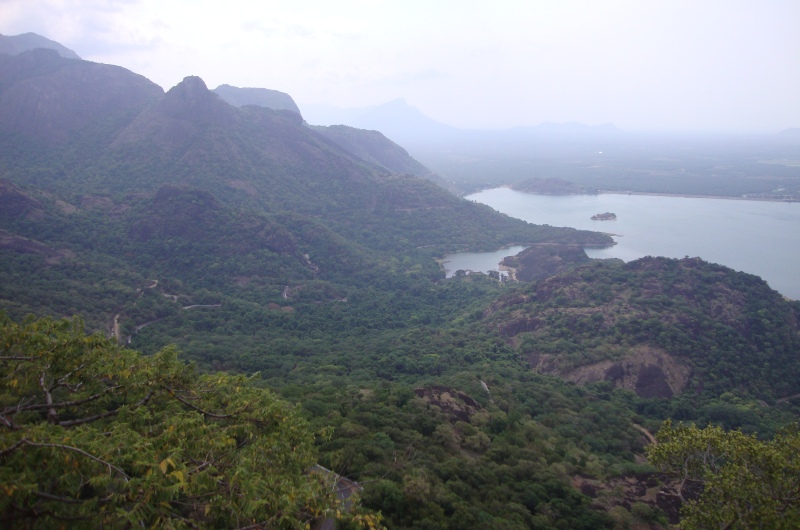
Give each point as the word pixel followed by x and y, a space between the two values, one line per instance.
pixel 260 246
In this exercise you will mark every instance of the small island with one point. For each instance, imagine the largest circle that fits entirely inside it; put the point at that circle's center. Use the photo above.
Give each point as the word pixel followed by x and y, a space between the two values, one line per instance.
pixel 608 216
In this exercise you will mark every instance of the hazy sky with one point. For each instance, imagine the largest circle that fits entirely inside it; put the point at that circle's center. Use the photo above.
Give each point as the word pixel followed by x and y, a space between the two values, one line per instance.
pixel 640 64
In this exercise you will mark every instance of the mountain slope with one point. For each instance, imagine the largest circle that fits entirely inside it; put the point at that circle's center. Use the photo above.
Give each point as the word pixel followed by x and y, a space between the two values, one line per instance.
pixel 375 148
pixel 370 146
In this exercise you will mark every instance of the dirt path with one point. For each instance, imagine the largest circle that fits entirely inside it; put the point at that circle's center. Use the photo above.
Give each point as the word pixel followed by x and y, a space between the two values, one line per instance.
pixel 647 434
pixel 115 328
pixel 787 398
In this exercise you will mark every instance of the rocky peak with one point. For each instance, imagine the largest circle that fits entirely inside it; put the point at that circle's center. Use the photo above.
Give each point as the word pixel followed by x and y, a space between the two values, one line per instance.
pixel 192 89
pixel 186 111
pixel 191 100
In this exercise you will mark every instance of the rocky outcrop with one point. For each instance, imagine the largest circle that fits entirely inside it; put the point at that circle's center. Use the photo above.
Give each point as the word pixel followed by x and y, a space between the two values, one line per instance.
pixel 456 404
pixel 16 203
pixel 543 261
pixel 648 371
pixel 23 245
pixel 650 489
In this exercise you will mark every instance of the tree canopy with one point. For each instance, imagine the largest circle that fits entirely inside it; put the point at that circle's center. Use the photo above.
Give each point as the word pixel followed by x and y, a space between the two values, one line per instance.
pixel 93 434
pixel 747 483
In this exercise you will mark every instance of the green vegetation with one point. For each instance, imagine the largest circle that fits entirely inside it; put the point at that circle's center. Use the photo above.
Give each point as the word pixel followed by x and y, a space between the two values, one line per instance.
pixel 96 435
pixel 734 332
pixel 355 332
pixel 255 245
pixel 746 483
pixel 552 186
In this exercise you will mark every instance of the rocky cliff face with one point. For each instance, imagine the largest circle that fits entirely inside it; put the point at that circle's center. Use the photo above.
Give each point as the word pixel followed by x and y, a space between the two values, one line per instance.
pixel 650 372
pixel 49 98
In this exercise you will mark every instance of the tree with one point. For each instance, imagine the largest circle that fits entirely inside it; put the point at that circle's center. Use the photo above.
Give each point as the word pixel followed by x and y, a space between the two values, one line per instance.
pixel 93 435
pixel 747 483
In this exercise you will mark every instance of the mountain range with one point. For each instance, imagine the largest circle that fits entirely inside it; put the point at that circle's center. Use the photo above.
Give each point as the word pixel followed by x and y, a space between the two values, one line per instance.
pixel 408 126
pixel 102 141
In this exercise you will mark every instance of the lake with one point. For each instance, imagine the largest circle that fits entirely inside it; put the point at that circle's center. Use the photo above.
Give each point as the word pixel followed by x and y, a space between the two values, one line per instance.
pixel 478 261
pixel 758 237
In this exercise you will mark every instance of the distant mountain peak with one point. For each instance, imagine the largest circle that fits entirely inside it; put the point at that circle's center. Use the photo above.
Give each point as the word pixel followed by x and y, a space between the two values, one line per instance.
pixel 185 111
pixel 191 100
pixel 192 88
pixel 262 97
pixel 45 96
pixel 16 44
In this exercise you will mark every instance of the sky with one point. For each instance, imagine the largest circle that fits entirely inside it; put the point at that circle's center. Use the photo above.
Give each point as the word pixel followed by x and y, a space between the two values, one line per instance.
pixel 668 65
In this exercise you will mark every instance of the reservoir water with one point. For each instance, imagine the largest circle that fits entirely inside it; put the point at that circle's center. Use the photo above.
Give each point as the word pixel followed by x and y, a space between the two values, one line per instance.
pixel 478 261
pixel 758 237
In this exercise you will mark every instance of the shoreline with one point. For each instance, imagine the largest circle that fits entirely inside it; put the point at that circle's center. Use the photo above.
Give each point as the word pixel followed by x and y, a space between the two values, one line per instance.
pixel 687 196
pixel 645 193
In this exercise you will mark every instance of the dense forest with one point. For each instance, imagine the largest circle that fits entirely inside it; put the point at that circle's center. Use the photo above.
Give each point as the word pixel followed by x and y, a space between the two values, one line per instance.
pixel 299 285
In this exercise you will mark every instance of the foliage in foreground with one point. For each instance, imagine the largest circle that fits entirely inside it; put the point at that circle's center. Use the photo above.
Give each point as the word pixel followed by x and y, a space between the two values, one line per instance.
pixel 747 483
pixel 97 435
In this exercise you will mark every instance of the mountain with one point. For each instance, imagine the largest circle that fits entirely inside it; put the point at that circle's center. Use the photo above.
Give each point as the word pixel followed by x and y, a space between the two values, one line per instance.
pixel 370 146
pixel 403 123
pixel 399 121
pixel 16 44
pixel 656 326
pixel 263 97
pixel 123 131
pixel 56 101
pixel 408 126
